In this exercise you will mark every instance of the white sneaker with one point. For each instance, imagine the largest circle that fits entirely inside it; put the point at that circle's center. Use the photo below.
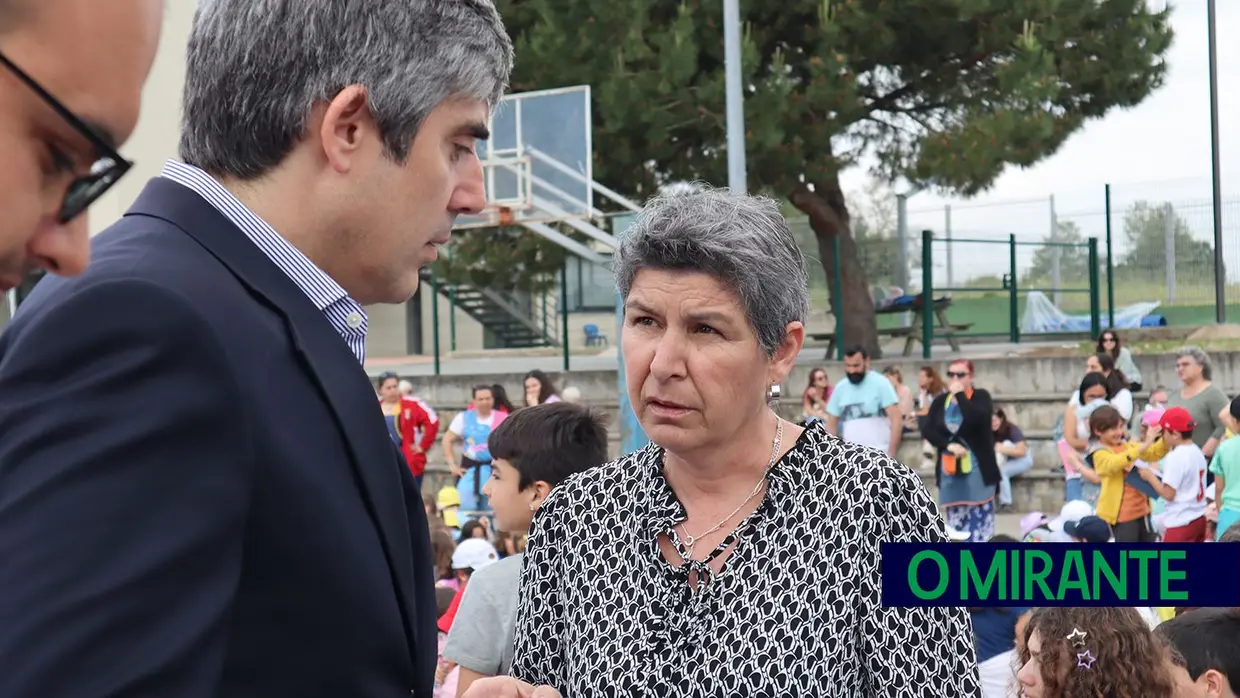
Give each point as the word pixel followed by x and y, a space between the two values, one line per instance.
pixel 956 536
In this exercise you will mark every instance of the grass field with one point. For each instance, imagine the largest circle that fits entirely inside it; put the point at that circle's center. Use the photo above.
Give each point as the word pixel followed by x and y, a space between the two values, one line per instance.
pixel 990 315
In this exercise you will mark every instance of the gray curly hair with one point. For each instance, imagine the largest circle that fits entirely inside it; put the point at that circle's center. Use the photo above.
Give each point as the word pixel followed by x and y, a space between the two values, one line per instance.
pixel 1197 354
pixel 741 240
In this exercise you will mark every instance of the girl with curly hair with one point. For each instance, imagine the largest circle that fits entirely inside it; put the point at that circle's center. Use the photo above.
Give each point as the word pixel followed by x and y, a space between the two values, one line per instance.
pixel 1092 653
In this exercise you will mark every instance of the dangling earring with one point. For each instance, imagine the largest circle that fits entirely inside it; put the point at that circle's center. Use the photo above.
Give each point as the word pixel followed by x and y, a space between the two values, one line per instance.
pixel 534 505
pixel 773 393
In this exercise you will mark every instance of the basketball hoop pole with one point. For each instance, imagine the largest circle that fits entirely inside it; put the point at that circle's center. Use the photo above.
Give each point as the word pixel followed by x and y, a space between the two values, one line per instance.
pixel 735 95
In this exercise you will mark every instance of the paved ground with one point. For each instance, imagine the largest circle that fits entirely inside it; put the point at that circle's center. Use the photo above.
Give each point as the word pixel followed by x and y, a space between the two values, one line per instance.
pixel 520 361
pixel 1008 523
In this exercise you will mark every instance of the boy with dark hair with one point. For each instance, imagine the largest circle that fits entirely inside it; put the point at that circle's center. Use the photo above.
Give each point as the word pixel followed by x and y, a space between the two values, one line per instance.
pixel 532 452
pixel 1206 642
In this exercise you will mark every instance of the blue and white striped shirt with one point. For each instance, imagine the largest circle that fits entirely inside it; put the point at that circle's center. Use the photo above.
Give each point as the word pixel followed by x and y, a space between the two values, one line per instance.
pixel 344 313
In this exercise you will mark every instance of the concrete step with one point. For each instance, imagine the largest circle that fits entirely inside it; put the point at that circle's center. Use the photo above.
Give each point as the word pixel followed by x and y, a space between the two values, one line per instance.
pixel 1032 412
pixel 1040 489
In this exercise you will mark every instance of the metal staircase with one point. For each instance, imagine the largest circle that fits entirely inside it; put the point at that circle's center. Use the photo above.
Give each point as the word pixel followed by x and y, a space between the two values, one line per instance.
pixel 516 320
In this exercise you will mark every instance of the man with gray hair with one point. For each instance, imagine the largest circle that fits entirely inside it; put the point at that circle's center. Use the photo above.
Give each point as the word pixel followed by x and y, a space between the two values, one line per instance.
pixel 198 496
pixel 71 75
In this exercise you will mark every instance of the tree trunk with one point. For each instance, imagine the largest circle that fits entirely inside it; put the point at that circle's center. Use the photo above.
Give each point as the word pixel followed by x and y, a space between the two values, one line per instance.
pixel 828 217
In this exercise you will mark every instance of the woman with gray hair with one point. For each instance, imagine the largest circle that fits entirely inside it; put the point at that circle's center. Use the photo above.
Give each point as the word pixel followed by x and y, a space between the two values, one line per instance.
pixel 1200 397
pixel 738 553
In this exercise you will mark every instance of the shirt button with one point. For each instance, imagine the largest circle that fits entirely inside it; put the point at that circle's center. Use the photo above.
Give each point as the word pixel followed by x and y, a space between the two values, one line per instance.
pixel 354 320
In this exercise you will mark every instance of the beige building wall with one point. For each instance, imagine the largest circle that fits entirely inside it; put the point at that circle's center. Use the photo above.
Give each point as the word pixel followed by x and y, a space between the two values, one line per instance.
pixel 155 139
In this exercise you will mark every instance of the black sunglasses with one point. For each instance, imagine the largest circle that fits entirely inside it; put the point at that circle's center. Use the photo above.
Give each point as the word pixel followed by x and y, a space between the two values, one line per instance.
pixel 957 374
pixel 110 167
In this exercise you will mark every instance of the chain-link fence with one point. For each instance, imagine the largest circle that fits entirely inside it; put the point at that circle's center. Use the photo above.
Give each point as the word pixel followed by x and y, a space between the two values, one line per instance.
pixel 1161 246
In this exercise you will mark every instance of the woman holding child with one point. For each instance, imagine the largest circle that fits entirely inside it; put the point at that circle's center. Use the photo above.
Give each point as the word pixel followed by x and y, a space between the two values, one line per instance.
pixel 1080 480
pixel 737 554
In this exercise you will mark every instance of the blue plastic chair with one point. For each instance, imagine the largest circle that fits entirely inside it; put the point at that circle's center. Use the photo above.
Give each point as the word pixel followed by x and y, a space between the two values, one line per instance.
pixel 594 336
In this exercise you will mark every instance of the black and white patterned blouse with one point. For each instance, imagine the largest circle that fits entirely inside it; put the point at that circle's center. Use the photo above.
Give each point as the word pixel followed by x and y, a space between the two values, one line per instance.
pixel 794 613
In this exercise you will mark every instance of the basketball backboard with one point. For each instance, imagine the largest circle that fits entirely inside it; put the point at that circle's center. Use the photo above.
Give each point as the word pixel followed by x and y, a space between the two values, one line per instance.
pixel 537 165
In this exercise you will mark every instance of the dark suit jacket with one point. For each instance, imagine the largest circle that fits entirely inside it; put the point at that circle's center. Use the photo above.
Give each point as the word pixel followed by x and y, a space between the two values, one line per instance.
pixel 198 494
pixel 975 432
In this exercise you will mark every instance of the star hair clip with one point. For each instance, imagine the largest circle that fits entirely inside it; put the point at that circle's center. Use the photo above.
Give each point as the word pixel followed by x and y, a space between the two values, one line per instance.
pixel 1085 658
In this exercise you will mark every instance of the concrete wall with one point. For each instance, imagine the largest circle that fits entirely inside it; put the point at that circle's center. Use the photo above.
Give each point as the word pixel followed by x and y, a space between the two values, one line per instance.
pixel 1033 390
pixel 1017 379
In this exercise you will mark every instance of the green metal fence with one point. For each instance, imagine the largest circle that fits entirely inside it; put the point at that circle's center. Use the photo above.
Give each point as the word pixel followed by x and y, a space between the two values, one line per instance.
pixel 1010 284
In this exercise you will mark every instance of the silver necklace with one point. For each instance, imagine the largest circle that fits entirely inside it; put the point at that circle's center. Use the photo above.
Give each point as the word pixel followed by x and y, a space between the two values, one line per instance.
pixel 689 541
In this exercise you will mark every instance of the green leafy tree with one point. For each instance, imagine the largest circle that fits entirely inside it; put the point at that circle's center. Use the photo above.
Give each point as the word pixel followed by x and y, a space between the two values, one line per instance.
pixel 945 93
pixel 1145 229
pixel 1073 261
pixel 508 258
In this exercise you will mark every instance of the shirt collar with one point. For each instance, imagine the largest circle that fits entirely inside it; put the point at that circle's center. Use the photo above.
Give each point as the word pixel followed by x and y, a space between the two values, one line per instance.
pixel 322 290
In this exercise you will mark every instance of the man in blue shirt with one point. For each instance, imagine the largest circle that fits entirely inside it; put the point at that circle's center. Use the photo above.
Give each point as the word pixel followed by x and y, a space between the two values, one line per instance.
pixel 864 408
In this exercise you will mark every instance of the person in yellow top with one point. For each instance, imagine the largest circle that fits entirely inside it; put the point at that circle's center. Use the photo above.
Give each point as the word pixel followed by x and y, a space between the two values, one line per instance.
pixel 1120 503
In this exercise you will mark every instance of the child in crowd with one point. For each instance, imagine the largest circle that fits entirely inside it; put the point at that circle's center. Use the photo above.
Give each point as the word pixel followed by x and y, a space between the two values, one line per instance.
pixel 471 556
pixel 431 505
pixel 1226 469
pixel 1033 528
pixel 1070 512
pixel 1149 420
pixel 476 528
pixel 443 544
pixel 1091 652
pixel 1182 480
pixel 449 503
pixel 1206 652
pixel 1090 529
pixel 1120 504
pixel 532 452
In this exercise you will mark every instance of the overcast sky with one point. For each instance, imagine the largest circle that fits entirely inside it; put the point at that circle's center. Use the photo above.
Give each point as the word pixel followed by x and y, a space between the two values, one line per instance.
pixel 1159 150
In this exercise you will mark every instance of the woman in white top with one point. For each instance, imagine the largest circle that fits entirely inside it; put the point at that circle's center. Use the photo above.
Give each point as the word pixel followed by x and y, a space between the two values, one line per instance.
pixel 1081 482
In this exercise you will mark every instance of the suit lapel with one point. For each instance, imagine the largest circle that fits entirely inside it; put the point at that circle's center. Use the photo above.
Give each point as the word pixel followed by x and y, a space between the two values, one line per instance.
pixel 328 359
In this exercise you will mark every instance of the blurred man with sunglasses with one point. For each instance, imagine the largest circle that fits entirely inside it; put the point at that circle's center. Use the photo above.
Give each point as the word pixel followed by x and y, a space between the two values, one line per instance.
pixel 71 76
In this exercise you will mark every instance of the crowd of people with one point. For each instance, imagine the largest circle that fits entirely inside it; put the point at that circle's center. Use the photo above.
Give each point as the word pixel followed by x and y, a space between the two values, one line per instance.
pixel 1159 472
pixel 1168 470
pixel 414 425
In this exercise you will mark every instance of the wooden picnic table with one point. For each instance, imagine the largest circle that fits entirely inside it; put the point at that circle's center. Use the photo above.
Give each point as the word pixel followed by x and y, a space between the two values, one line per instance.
pixel 911 333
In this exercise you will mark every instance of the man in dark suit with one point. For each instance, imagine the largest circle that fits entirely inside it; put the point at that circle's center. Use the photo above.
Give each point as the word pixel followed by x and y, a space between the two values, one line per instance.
pixel 198 495
pixel 71 75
